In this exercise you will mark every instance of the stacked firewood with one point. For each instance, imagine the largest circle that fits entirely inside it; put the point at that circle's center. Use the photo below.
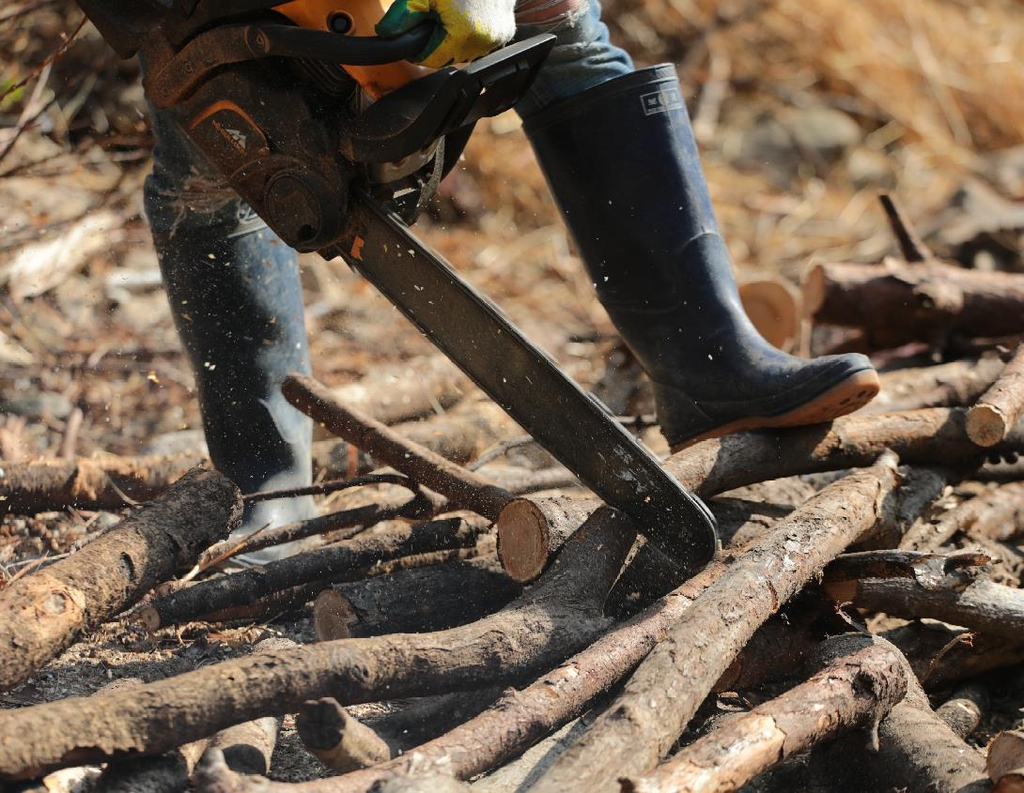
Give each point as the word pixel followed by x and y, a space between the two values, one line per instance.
pixel 525 635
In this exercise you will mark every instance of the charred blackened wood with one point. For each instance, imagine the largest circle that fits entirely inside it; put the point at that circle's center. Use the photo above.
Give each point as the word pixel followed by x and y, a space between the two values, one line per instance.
pixel 423 599
pixel 349 558
pixel 520 718
pixel 44 612
pixel 964 710
pixel 414 505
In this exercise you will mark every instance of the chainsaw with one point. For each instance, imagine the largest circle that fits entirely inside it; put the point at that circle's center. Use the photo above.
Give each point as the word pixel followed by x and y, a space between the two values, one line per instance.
pixel 336 140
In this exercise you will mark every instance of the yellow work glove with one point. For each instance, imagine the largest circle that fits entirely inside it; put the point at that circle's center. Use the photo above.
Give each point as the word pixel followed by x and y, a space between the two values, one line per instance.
pixel 464 29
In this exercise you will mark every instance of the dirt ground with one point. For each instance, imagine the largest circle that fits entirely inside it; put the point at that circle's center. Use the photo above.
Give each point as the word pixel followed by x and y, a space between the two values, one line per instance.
pixel 804 113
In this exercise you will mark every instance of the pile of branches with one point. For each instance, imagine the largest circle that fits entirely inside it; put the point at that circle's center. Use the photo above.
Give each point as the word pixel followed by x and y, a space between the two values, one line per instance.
pixel 528 638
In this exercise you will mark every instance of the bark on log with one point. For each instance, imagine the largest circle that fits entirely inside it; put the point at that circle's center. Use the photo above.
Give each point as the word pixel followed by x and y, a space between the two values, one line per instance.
pixel 44 612
pixel 856 687
pixel 956 598
pixel 415 505
pixel 722 464
pixel 103 483
pixel 519 774
pixel 915 751
pixel 963 711
pixel 458 435
pixel 247 747
pixel 521 718
pixel 337 739
pixel 955 384
pixel 1001 406
pixel 556 618
pixel 413 601
pixel 896 303
pixel 996 514
pixel 461 486
pixel 164 773
pixel 666 690
pixel 943 656
pixel 922 486
pixel 348 558
pixel 1005 762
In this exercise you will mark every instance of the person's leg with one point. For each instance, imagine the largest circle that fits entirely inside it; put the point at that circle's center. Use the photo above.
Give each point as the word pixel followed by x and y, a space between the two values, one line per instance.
pixel 583 56
pixel 619 155
pixel 235 295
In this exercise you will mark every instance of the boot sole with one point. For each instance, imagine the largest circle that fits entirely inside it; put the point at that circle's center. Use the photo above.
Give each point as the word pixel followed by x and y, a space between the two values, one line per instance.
pixel 843 398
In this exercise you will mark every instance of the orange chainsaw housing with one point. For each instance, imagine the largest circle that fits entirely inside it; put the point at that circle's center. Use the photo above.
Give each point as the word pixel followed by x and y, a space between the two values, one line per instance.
pixel 360 18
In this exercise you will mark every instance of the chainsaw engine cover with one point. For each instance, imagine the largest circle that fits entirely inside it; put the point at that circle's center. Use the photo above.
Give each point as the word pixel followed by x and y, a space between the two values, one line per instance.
pixel 273 109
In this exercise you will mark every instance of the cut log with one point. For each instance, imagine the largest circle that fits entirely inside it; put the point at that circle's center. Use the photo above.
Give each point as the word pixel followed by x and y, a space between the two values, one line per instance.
pixel 956 598
pixel 337 739
pixel 963 711
pixel 349 558
pixel 246 748
pixel 896 303
pixel 521 718
pixel 461 486
pixel 559 616
pixel 915 750
pixel 103 483
pixel 1005 763
pixel 534 529
pixel 419 600
pixel 856 688
pixel 771 304
pixel 721 464
pixel 665 691
pixel 1001 406
pixel 44 612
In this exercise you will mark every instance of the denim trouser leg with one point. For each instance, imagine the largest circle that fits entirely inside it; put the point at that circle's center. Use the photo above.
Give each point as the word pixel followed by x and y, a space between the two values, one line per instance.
pixel 236 298
pixel 583 57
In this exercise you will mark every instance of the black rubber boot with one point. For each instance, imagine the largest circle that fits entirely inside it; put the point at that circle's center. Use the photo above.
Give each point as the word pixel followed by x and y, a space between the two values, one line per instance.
pixel 623 166
pixel 235 295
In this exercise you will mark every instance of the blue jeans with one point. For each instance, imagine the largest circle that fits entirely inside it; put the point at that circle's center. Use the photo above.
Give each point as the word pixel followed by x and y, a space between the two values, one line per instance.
pixel 582 58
